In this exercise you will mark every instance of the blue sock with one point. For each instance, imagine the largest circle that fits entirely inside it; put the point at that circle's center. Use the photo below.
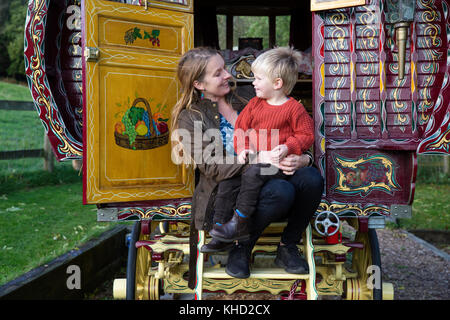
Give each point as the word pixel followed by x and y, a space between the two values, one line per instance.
pixel 240 214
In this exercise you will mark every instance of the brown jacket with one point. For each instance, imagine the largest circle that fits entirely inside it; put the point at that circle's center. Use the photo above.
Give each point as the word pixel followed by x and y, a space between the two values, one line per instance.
pixel 204 116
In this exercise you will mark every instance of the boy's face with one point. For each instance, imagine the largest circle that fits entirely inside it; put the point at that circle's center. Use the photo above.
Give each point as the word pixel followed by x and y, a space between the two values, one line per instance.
pixel 265 88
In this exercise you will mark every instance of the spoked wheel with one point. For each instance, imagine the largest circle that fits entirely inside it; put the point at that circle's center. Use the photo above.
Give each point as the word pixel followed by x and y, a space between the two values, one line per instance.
pixel 367 263
pixel 140 286
pixel 131 261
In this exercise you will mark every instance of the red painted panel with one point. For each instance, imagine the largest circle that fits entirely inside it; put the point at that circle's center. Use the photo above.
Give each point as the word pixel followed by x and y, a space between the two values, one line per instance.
pixel 53 28
pixel 369 176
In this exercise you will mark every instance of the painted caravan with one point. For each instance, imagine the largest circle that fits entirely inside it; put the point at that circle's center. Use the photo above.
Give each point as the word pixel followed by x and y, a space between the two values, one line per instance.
pixel 374 77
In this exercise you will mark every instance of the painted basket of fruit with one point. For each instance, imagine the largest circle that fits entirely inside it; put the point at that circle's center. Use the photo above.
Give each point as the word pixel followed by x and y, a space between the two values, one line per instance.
pixel 138 131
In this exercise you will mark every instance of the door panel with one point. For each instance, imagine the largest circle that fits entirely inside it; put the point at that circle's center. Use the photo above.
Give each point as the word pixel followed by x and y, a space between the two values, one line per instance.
pixel 177 5
pixel 129 35
pixel 129 92
pixel 369 176
pixel 367 119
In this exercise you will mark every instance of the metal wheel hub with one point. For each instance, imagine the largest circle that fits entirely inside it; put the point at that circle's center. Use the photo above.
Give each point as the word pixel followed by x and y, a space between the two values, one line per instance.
pixel 326 223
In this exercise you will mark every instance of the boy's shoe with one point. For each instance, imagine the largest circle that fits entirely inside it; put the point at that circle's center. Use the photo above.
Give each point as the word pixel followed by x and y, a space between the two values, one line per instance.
pixel 238 263
pixel 289 258
pixel 215 246
pixel 235 229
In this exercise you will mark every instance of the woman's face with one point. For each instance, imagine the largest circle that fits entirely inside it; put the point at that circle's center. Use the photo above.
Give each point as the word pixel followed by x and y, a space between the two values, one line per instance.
pixel 215 82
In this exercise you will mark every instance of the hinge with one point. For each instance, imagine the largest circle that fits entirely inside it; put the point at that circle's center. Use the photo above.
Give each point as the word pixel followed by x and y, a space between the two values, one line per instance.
pixel 91 54
pixel 401 211
pixel 107 214
pixel 145 4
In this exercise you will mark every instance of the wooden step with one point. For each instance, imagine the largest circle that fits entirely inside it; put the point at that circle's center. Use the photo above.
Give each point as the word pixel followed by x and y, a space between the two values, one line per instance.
pixel 258 273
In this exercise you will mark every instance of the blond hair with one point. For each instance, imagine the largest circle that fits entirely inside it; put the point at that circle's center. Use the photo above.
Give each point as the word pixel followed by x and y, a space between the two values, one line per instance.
pixel 191 67
pixel 283 63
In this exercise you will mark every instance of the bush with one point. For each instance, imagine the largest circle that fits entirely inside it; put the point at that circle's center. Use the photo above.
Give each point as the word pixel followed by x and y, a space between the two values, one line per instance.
pixel 12 39
pixel 4 57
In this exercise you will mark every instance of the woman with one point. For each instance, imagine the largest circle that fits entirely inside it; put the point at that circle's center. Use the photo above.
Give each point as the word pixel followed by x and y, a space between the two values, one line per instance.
pixel 206 104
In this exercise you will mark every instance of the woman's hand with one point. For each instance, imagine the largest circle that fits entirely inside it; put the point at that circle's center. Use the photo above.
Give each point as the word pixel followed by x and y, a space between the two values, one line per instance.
pixel 293 162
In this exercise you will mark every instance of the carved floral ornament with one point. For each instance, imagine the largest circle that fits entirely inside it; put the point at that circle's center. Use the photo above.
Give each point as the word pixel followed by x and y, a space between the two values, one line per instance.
pixel 367 173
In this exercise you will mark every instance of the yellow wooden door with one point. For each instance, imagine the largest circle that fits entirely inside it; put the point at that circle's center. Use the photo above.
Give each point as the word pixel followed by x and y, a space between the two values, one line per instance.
pixel 130 86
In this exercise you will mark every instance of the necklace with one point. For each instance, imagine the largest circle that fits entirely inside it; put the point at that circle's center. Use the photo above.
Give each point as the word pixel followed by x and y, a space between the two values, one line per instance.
pixel 228 112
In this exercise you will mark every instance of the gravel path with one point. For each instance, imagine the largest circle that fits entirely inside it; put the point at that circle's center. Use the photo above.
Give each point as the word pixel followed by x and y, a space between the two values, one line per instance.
pixel 416 272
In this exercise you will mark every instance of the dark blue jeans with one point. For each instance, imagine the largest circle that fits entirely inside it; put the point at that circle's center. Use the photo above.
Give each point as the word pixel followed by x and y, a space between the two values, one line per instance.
pixel 295 199
pixel 243 192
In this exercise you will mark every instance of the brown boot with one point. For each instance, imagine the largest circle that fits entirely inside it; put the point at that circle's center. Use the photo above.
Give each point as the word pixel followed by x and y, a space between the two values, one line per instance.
pixel 235 229
pixel 216 246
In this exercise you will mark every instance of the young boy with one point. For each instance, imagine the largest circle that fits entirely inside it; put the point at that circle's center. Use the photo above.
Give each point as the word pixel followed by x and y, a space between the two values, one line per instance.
pixel 273 122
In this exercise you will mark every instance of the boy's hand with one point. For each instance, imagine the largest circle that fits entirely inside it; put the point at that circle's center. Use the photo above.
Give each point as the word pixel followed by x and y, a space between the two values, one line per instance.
pixel 278 153
pixel 243 157
pixel 264 157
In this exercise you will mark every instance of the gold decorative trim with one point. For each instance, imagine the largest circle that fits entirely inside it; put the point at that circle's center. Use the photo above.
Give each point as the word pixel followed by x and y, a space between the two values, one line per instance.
pixel 353 208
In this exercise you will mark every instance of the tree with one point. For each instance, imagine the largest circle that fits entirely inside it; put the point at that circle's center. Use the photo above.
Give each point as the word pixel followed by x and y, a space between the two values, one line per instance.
pixel 4 9
pixel 254 27
pixel 251 27
pixel 283 30
pixel 13 37
pixel 4 57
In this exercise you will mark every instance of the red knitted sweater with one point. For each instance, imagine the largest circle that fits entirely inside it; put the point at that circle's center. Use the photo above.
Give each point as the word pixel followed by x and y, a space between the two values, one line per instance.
pixel 295 127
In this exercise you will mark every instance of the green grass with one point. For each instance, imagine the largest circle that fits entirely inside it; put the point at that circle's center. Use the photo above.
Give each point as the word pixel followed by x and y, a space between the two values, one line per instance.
pixel 42 223
pixel 41 213
pixel 431 208
pixel 14 92
pixel 42 216
pixel 20 130
pixel 28 173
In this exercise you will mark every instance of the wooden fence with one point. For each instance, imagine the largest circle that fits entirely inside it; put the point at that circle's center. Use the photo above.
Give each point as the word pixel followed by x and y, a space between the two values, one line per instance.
pixel 46 152
pixel 17 105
